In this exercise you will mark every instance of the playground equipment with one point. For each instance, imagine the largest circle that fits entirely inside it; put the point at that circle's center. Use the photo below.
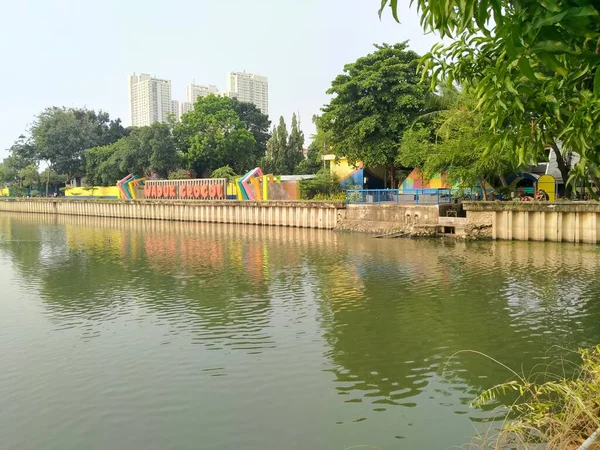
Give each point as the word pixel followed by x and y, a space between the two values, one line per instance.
pixel 127 186
pixel 254 185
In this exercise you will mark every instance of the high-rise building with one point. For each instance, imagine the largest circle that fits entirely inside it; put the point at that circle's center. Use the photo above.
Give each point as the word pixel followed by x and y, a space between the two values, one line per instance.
pixel 196 90
pixel 185 107
pixel 175 109
pixel 248 87
pixel 149 100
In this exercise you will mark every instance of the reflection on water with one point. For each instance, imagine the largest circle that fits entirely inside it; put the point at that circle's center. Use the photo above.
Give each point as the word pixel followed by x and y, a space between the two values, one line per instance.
pixel 125 334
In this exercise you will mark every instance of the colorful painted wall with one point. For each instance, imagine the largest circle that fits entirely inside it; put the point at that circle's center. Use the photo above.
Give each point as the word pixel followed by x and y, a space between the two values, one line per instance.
pixel 93 192
pixel 415 181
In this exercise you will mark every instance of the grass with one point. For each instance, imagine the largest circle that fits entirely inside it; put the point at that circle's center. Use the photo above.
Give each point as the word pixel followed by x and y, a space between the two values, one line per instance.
pixel 549 411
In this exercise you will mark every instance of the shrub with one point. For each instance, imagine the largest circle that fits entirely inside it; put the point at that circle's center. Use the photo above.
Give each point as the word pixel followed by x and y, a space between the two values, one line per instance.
pixel 325 184
pixel 224 172
pixel 559 412
pixel 181 174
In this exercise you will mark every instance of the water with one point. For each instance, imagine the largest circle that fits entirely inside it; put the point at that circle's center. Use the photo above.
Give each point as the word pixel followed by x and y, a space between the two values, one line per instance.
pixel 149 335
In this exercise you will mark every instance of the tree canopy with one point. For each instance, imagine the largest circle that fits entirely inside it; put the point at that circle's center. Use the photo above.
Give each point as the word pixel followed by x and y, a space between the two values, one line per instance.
pixel 535 67
pixel 212 135
pixel 284 152
pixel 61 135
pixel 375 100
pixel 454 143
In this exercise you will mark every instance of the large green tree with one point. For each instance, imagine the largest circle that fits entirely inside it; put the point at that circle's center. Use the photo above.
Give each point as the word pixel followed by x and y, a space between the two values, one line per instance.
pixel 535 66
pixel 61 135
pixel 213 136
pixel 22 154
pixel 147 151
pixel 375 100
pixel 284 151
pixel 454 143
pixel 295 146
pixel 256 123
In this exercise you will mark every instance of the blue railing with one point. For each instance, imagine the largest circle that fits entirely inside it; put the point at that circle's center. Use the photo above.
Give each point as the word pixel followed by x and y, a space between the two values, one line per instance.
pixel 399 197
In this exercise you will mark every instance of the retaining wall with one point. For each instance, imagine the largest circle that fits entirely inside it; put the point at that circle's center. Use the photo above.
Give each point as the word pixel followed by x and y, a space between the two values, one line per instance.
pixel 537 221
pixel 324 215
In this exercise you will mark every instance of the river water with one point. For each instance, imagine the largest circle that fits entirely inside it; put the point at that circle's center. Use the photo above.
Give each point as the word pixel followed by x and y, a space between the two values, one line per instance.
pixel 149 335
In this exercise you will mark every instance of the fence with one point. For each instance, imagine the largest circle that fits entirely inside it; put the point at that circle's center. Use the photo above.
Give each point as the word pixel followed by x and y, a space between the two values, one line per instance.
pixel 399 196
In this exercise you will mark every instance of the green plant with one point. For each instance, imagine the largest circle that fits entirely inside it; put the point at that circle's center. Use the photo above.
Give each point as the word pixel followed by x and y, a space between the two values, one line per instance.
pixel 224 172
pixel 558 412
pixel 180 174
pixel 324 183
pixel 338 196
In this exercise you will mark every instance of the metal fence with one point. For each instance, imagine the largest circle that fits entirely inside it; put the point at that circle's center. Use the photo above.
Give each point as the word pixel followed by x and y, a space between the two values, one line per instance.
pixel 399 197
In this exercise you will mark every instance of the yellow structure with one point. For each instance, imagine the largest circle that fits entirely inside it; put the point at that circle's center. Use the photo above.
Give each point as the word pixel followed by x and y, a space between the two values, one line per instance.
pixel 340 166
pixel 548 184
pixel 4 192
pixel 95 191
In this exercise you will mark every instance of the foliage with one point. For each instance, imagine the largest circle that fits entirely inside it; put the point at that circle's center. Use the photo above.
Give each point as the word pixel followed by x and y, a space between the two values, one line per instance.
pixel 224 172
pixel 312 163
pixel 61 135
pixel 146 151
pixel 213 135
pixel 22 154
pixel 294 154
pixel 455 144
pixel 29 176
pixel 256 123
pixel 376 99
pixel 181 174
pixel 284 153
pixel 150 151
pixel 325 185
pixel 103 164
pixel 535 67
pixel 557 412
pixel 7 174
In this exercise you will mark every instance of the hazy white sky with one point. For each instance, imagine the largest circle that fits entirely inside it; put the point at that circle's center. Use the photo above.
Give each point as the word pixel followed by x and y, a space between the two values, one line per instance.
pixel 80 52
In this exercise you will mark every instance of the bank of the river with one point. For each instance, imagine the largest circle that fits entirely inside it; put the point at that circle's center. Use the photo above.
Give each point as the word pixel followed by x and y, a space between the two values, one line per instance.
pixel 538 221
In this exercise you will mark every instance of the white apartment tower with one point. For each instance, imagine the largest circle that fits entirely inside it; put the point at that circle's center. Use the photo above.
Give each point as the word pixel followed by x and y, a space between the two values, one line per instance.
pixel 175 109
pixel 184 107
pixel 149 100
pixel 196 90
pixel 247 87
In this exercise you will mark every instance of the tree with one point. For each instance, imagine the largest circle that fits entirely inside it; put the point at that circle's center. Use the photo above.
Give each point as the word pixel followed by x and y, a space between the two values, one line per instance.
pixel 224 172
pixel 103 164
pixel 256 123
pixel 455 144
pixel 22 154
pixel 29 176
pixel 8 175
pixel 61 135
pixel 145 151
pixel 376 99
pixel 535 67
pixel 294 154
pixel 213 135
pixel 312 163
pixel 150 151
pixel 284 153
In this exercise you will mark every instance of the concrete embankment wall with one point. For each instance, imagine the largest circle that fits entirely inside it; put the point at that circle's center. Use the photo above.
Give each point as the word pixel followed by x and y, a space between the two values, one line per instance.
pixel 536 221
pixel 416 220
pixel 324 215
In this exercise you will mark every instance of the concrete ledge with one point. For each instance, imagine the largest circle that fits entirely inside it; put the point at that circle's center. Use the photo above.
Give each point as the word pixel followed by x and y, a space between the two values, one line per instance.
pixel 245 203
pixel 323 215
pixel 533 206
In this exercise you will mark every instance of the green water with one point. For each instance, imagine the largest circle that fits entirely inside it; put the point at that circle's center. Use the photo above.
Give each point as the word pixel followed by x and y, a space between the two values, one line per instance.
pixel 149 335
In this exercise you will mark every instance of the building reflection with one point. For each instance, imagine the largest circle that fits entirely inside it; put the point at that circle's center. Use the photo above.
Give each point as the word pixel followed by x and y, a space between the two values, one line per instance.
pixel 390 313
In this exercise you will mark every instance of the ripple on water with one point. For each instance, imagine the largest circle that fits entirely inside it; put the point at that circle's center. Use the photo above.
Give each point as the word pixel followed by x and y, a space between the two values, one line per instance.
pixel 244 337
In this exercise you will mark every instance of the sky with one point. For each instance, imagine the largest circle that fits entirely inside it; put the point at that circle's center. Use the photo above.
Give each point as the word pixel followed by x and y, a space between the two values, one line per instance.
pixel 79 53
